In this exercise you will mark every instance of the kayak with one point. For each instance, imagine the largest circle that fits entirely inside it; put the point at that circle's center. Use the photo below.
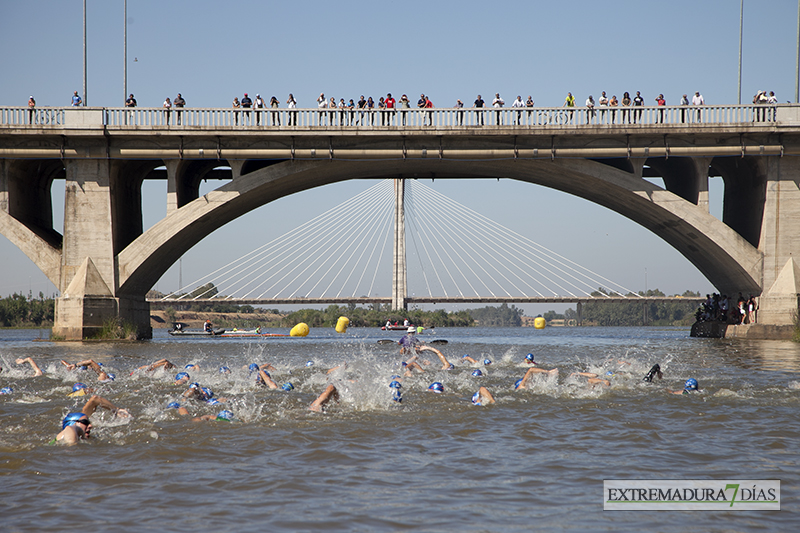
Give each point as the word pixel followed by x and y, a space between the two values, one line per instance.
pixel 195 333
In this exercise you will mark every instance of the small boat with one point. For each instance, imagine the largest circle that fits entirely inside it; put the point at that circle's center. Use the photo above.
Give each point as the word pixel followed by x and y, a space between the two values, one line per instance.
pixel 195 333
pixel 397 327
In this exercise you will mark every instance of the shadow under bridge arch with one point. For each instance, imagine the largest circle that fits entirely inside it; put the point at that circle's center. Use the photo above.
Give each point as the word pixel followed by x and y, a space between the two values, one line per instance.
pixel 723 256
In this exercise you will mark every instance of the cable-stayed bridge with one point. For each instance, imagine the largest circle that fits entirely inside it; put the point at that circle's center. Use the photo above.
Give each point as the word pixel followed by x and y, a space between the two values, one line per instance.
pixel 404 238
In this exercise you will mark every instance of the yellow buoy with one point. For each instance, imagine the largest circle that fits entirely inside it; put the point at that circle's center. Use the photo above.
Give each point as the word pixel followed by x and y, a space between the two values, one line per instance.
pixel 341 324
pixel 300 330
pixel 539 322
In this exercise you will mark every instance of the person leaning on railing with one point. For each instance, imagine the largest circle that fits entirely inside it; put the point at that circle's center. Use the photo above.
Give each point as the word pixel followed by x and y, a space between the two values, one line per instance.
pixel 179 102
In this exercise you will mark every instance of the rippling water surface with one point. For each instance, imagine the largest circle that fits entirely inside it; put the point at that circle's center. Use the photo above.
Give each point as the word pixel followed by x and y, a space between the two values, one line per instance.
pixel 534 460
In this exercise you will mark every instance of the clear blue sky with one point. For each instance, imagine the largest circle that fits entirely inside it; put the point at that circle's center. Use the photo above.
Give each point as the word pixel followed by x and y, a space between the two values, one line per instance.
pixel 212 51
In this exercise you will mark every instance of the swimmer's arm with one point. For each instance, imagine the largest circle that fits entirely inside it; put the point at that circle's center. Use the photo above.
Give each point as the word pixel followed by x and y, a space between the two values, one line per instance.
pixel 98 401
pixel 90 363
pixel 442 358
pixel 330 393
pixel 598 381
pixel 203 418
pixel 470 359
pixel 36 370
pixel 486 396
pixel 584 374
pixel 267 380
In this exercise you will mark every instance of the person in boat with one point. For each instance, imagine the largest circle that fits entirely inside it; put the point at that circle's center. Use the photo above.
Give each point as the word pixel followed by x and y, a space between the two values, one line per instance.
pixel 77 426
pixel 36 370
pixel 207 327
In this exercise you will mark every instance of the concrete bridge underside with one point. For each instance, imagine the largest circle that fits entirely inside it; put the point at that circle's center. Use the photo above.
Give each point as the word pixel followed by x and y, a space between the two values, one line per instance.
pixel 105 263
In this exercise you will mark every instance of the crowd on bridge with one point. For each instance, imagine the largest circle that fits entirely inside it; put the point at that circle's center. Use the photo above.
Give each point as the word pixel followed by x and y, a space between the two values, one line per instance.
pixel 351 112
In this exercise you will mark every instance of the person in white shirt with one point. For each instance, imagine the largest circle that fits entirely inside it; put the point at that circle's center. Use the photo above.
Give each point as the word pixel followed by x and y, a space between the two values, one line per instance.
pixel 773 101
pixel 590 108
pixel 498 103
pixel 291 103
pixel 603 102
pixel 697 100
pixel 322 104
pixel 518 103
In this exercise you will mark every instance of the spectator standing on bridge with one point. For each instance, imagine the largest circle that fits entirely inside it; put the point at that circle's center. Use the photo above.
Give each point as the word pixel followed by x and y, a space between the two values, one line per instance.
pixel 31 109
pixel 351 111
pixel 322 103
pixel 247 103
pixel 684 103
pixel 613 104
pixel 382 110
pixel 291 103
pixel 518 104
pixel 529 105
pixel 390 105
pixel 179 103
pixel 236 106
pixel 478 105
pixel 275 116
pixel 569 102
pixel 76 100
pixel 361 104
pixel 497 103
pixel 342 112
pixel 371 110
pixel 167 109
pixel 259 104
pixel 638 101
pixel 429 105
pixel 331 113
pixel 405 105
pixel 660 102
pixel 626 102
pixel 131 101
pixel 590 108
pixel 698 100
pixel 603 103
pixel 460 113
pixel 772 100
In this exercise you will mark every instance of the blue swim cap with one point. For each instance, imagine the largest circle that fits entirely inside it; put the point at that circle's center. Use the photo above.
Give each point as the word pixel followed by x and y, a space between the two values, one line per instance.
pixel 287 386
pixel 451 367
pixel 691 384
pixel 207 392
pixel 395 384
pixel 173 405
pixel 110 377
pixel 404 364
pixel 190 365
pixel 181 375
pixel 71 418
pixel 225 414
pixel 212 401
pixel 78 386
pixel 436 387
pixel 395 376
pixel 464 356
pixel 476 398
pixel 224 370
pixel 309 363
pixel 397 397
pixel 487 361
pixel 529 357
pixel 253 367
pixel 194 386
pixel 6 390
pixel 84 367
pixel 609 373
pixel 477 372
pixel 518 383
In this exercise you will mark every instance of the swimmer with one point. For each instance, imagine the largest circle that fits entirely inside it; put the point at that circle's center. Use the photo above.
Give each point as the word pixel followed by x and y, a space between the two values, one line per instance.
pixel 253 367
pixel 592 378
pixel 409 342
pixel 689 387
pixel 265 379
pixel 101 374
pixel 223 416
pixel 182 378
pixel 36 370
pixel 529 359
pixel 330 393
pixel 523 383
pixel 655 370
pixel 482 397
pixel 446 365
pixel 161 363
pixel 203 394
pixel 76 426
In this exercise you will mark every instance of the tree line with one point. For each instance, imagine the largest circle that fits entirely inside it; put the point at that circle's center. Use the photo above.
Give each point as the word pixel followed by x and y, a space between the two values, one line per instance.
pixel 20 311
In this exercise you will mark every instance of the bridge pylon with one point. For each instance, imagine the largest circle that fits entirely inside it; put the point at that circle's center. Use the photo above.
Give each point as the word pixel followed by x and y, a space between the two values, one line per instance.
pixel 399 285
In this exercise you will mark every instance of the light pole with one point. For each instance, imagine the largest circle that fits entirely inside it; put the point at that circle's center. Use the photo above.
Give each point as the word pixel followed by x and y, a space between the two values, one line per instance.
pixel 85 96
pixel 741 20
pixel 797 83
pixel 125 52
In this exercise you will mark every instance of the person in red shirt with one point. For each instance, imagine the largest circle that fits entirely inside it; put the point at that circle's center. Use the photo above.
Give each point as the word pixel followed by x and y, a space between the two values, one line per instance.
pixel 390 105
pixel 661 103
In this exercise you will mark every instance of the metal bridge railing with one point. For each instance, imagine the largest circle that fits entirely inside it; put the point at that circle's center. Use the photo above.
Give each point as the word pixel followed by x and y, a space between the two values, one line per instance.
pixel 529 117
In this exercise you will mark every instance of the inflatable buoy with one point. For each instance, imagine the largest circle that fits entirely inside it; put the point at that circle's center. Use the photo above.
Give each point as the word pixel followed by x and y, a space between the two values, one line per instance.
pixel 539 322
pixel 341 324
pixel 300 330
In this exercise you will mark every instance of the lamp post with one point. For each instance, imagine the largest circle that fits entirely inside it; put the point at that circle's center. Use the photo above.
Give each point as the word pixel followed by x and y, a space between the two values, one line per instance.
pixel 741 20
pixel 125 51
pixel 85 96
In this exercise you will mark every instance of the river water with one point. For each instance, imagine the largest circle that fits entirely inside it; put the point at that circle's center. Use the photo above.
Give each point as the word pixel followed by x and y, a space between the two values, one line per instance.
pixel 434 462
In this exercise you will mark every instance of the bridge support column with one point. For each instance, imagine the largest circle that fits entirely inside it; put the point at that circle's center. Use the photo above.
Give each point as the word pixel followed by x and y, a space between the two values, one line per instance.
pixel 88 280
pixel 399 287
pixel 579 312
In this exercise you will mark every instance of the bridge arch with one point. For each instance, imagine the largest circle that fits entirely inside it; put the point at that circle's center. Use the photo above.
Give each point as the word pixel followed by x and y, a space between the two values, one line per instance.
pixel 727 259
